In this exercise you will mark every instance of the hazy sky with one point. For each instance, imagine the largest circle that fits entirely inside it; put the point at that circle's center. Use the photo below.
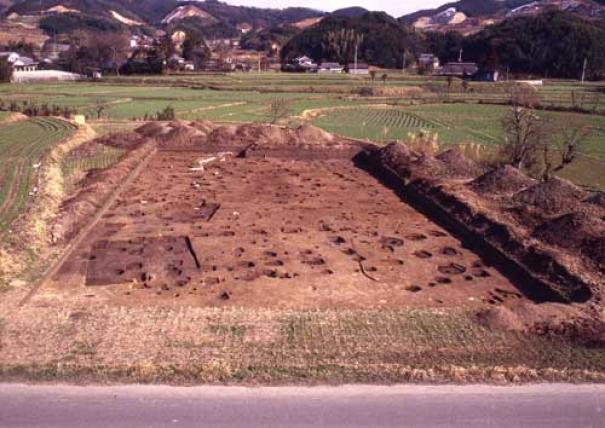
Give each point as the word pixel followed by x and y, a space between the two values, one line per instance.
pixel 393 7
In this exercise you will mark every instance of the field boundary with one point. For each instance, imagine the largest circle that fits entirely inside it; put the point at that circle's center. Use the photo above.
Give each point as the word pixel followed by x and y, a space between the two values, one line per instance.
pixel 67 251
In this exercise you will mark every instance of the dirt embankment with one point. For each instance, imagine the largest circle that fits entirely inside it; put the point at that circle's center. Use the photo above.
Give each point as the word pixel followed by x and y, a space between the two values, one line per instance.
pixel 32 229
pixel 550 233
pixel 97 187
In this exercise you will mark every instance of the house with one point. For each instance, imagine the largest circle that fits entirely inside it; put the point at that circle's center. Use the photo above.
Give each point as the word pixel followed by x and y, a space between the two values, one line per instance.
pixel 18 62
pixel 301 64
pixel 428 63
pixel 330 67
pixel 359 68
pixel 459 69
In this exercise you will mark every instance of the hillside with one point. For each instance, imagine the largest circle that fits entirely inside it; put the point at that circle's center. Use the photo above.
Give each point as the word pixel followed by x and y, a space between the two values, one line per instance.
pixel 381 39
pixel 471 16
pixel 153 12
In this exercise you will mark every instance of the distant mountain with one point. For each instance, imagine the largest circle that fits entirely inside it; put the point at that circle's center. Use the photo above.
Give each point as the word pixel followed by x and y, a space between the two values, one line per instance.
pixel 471 8
pixel 470 16
pixel 350 12
pixel 153 12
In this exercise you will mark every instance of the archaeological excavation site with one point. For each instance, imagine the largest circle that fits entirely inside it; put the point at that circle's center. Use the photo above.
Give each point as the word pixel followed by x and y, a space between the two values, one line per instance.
pixel 261 216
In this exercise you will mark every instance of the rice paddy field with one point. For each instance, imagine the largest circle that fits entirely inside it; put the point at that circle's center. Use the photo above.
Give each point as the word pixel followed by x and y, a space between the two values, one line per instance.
pixel 457 115
pixel 22 148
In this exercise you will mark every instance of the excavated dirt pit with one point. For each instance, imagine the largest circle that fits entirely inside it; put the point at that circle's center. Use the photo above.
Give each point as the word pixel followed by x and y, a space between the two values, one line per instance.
pixel 280 233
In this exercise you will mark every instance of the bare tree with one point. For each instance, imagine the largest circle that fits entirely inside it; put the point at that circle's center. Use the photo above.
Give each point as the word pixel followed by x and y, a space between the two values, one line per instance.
pixel 99 108
pixel 523 136
pixel 279 109
pixel 521 95
pixel 564 147
pixel 372 75
pixel 384 79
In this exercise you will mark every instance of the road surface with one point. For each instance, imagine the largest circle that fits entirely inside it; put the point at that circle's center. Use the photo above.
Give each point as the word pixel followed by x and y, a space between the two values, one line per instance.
pixel 550 406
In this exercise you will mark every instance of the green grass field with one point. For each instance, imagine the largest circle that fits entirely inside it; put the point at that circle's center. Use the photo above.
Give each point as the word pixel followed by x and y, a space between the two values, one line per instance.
pixel 246 97
pixel 22 147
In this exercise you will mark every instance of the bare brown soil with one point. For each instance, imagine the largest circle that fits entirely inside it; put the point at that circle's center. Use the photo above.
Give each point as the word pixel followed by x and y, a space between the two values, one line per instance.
pixel 274 232
pixel 263 254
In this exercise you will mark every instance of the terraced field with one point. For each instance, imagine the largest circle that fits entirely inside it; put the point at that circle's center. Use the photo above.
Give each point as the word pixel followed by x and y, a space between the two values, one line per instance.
pixel 22 147
pixel 374 123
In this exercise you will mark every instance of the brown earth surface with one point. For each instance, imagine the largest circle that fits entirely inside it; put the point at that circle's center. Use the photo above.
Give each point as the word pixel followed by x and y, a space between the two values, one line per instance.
pixel 274 232
pixel 257 253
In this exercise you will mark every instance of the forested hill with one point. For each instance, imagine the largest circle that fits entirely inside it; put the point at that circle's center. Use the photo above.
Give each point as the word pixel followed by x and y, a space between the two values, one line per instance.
pixel 552 44
pixel 381 40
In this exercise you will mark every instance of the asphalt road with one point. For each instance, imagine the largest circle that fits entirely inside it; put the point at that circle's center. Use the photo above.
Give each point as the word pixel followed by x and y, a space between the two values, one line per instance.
pixel 551 406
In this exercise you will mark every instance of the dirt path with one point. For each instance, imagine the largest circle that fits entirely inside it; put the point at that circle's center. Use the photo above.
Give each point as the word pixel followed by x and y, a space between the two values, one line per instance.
pixel 200 109
pixel 13 118
pixel 314 113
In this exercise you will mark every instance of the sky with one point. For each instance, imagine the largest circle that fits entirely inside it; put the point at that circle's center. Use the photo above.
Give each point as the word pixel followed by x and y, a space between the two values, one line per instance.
pixel 392 7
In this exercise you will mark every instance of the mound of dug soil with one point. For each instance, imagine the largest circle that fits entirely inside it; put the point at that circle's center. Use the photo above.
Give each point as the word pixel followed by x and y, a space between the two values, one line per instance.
pixel 555 196
pixel 203 125
pixel 504 179
pixel 457 165
pixel 526 316
pixel 153 129
pixel 597 199
pixel 577 231
pixel 181 136
pixel 309 134
pixel 123 140
pixel 397 157
pixel 570 230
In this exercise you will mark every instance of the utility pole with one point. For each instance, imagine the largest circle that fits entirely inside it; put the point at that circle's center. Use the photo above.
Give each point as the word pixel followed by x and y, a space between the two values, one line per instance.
pixel 584 69
pixel 460 55
pixel 403 63
pixel 259 62
pixel 356 45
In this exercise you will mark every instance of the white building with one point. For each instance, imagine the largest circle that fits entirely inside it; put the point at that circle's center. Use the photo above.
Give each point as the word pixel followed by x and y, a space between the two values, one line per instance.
pixel 18 62
pixel 330 68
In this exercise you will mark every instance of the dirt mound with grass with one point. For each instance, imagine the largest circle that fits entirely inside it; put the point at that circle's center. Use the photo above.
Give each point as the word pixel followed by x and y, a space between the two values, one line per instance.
pixel 555 196
pixel 456 165
pixel 504 179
